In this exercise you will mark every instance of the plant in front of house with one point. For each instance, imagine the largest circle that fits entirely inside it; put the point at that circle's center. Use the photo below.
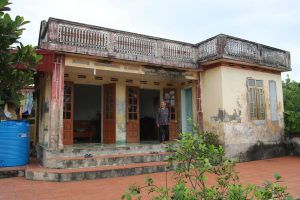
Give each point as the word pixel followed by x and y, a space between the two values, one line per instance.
pixel 194 160
pixel 17 62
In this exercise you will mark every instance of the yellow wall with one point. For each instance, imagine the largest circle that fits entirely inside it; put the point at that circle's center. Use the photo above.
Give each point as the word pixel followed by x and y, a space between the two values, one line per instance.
pixel 248 132
pixel 225 90
pixel 212 100
pixel 120 113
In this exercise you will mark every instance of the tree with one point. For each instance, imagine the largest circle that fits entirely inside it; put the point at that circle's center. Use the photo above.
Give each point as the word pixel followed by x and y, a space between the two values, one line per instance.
pixel 17 62
pixel 291 98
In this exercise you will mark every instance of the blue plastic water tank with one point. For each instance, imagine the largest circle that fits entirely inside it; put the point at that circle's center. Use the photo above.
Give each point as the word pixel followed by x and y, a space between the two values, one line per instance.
pixel 14 143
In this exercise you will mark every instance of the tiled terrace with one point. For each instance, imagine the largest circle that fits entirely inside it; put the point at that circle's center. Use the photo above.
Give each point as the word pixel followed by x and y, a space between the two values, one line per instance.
pixel 112 188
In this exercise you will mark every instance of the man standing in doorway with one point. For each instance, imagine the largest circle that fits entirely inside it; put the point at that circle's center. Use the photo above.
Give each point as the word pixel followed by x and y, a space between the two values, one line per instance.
pixel 162 122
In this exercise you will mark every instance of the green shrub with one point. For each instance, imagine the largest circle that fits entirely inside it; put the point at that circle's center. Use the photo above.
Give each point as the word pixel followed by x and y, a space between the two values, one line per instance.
pixel 194 158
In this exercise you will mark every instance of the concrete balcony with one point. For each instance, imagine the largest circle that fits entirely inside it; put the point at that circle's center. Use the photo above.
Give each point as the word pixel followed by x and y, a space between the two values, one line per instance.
pixel 77 38
pixel 228 48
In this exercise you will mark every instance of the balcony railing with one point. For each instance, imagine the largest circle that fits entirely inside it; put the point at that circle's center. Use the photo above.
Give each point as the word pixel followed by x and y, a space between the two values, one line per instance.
pixel 228 47
pixel 66 36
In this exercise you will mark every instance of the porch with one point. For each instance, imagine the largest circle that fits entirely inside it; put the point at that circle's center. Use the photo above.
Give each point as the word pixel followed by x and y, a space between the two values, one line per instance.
pixel 113 102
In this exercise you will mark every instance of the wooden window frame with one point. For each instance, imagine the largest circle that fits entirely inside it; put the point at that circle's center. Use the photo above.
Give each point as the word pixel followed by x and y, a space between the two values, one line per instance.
pixel 256 99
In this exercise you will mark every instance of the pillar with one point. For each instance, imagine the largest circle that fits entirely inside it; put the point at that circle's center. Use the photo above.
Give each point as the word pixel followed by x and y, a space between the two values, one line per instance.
pixel 56 105
pixel 199 102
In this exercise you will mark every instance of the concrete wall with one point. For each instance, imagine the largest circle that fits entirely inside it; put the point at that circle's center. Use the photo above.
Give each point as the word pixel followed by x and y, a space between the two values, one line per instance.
pixel 225 108
pixel 121 113
pixel 212 100
pixel 44 109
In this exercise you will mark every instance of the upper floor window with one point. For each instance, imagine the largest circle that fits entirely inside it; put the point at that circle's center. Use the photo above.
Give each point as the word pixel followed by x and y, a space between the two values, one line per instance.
pixel 256 99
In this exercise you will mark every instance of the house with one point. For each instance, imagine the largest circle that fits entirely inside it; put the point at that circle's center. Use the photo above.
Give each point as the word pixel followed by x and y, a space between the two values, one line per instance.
pixel 100 86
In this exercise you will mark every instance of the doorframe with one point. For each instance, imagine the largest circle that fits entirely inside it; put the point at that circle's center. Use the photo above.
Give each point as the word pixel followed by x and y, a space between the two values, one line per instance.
pixel 102 105
pixel 183 108
pixel 160 96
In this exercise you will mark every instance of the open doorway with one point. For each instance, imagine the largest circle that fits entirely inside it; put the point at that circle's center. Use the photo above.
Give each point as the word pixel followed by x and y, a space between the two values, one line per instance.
pixel 87 113
pixel 149 103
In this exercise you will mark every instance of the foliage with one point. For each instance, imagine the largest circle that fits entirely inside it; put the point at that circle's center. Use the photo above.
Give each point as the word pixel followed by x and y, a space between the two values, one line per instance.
pixel 17 63
pixel 194 161
pixel 291 97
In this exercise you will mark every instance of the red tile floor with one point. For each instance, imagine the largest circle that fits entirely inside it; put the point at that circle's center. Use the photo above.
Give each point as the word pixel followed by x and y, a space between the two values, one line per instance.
pixel 112 188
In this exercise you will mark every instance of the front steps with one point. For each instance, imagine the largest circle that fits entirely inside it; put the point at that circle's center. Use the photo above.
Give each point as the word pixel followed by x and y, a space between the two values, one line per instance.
pixel 88 160
pixel 61 175
pixel 82 163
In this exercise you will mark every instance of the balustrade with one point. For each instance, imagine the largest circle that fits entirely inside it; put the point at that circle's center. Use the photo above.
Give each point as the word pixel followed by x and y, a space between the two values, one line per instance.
pixel 108 42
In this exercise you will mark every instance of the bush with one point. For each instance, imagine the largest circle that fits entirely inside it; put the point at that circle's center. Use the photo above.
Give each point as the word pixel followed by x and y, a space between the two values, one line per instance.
pixel 193 159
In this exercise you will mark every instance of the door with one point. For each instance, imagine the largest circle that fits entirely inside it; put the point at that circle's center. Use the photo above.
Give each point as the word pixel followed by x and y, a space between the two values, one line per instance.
pixel 133 114
pixel 188 110
pixel 170 99
pixel 109 114
pixel 68 113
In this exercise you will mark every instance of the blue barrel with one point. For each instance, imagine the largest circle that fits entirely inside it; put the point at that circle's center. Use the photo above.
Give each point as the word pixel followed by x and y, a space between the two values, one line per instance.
pixel 14 143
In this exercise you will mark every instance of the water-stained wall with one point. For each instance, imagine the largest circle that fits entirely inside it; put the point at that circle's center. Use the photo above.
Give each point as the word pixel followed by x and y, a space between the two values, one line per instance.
pixel 44 108
pixel 120 113
pixel 226 111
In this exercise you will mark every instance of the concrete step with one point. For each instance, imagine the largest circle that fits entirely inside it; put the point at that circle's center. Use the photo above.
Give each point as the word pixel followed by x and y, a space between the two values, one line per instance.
pixel 6 172
pixel 100 149
pixel 94 161
pixel 37 172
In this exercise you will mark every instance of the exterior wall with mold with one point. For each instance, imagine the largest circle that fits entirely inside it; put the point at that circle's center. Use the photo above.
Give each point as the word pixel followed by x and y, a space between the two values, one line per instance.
pixel 120 113
pixel 240 132
pixel 212 100
pixel 44 112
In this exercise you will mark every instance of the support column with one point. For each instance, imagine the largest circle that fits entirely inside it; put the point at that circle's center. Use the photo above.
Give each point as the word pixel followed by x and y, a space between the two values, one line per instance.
pixel 120 113
pixel 199 103
pixel 56 106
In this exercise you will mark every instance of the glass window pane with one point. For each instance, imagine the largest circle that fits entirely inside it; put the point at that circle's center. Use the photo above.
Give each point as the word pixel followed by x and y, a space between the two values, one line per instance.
pixel 135 116
pixel 173 117
pixel 134 108
pixel 68 115
pixel 172 102
pixel 251 82
pixel 167 97
pixel 259 83
pixel 172 109
pixel 129 108
pixel 172 92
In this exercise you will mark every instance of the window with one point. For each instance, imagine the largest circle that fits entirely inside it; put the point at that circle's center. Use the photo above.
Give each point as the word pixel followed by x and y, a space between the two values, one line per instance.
pixel 170 100
pixel 256 99
pixel 273 100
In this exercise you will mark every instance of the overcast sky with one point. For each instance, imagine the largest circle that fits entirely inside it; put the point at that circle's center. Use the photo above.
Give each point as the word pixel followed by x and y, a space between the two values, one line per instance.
pixel 272 22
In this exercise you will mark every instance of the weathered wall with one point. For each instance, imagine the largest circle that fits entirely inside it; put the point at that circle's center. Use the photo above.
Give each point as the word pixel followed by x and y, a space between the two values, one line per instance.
pixel 241 133
pixel 243 138
pixel 225 109
pixel 120 113
pixel 212 100
pixel 44 116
